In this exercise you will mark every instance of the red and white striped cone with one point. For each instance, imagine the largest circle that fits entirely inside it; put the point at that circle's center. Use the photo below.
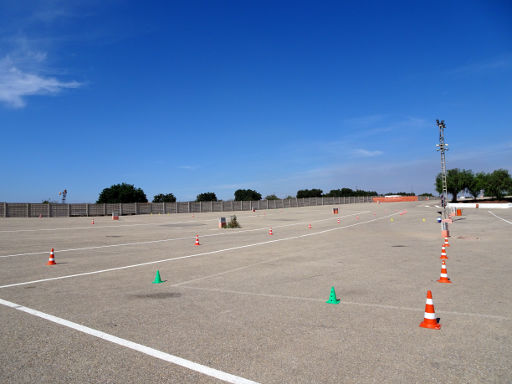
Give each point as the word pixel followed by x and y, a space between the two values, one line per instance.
pixel 92 221
pixel 51 260
pixel 444 275
pixel 270 232
pixel 338 220
pixel 197 240
pixel 430 319
pixel 443 253
pixel 446 244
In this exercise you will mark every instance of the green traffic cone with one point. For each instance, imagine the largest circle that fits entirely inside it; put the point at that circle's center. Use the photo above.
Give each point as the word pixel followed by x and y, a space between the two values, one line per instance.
pixel 158 280
pixel 332 297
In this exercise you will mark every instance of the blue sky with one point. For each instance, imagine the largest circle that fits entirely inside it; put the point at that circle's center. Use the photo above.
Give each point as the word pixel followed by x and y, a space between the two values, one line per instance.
pixel 211 96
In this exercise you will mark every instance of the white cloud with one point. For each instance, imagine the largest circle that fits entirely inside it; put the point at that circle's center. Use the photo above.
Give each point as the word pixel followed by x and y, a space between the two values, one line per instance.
pixel 15 84
pixel 366 153
pixel 489 65
pixel 188 167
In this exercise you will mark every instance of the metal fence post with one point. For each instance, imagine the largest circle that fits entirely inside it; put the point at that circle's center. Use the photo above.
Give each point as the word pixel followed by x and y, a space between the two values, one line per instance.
pixel 188 206
pixel 49 210
pixel 200 206
pixel 5 209
pixel 104 209
pixel 86 209
pixel 136 209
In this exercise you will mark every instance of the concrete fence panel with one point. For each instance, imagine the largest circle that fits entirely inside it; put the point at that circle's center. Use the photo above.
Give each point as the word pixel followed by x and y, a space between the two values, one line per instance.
pixel 84 209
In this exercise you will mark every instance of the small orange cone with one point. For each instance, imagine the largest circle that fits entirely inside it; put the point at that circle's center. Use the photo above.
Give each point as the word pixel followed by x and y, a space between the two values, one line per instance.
pixel 430 319
pixel 51 260
pixel 197 240
pixel 444 274
pixel 446 244
pixel 357 217
pixel 338 220
pixel 270 231
pixel 92 222
pixel 309 226
pixel 443 253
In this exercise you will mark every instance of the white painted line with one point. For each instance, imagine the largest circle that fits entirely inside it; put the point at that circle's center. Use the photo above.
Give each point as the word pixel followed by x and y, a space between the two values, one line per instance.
pixel 506 221
pixel 203 369
pixel 372 305
pixel 166 240
pixel 113 226
pixel 96 226
pixel 196 254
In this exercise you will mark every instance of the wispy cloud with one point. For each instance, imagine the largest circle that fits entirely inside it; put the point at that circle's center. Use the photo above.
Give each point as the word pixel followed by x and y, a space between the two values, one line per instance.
pixel 188 167
pixel 496 63
pixel 366 153
pixel 363 121
pixel 16 84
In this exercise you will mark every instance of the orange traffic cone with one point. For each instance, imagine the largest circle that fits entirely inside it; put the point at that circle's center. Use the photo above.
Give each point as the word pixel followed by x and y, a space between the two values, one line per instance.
pixel 446 244
pixel 338 220
pixel 197 240
pixel 357 217
pixel 270 231
pixel 443 253
pixel 430 319
pixel 92 221
pixel 309 226
pixel 51 260
pixel 444 274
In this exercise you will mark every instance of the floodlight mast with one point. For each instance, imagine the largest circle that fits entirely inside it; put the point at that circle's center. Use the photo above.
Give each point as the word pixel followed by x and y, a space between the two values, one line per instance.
pixel 443 147
pixel 64 193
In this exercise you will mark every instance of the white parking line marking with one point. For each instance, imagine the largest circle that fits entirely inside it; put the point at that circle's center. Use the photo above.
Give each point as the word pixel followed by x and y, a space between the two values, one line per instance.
pixel 113 226
pixel 373 305
pixel 197 254
pixel 166 240
pixel 203 369
pixel 492 213
pixel 96 226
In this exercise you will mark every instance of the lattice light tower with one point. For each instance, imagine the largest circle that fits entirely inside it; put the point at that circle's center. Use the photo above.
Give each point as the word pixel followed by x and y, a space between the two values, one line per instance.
pixel 63 194
pixel 442 147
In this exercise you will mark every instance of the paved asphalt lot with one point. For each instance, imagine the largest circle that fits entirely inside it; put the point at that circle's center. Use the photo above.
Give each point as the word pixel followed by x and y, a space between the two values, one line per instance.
pixel 252 306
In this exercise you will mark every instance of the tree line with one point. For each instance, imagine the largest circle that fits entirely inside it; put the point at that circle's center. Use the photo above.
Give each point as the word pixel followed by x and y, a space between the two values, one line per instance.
pixel 128 193
pixel 495 184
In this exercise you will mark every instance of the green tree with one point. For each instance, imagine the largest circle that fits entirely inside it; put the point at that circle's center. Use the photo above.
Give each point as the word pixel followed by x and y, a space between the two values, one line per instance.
pixel 247 195
pixel 289 197
pixel 207 196
pixel 122 193
pixel 271 197
pixel 477 183
pixel 167 198
pixel 303 193
pixel 456 180
pixel 498 183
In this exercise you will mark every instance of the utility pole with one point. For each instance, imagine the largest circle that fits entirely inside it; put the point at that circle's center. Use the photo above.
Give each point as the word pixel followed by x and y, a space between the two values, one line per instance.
pixel 443 147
